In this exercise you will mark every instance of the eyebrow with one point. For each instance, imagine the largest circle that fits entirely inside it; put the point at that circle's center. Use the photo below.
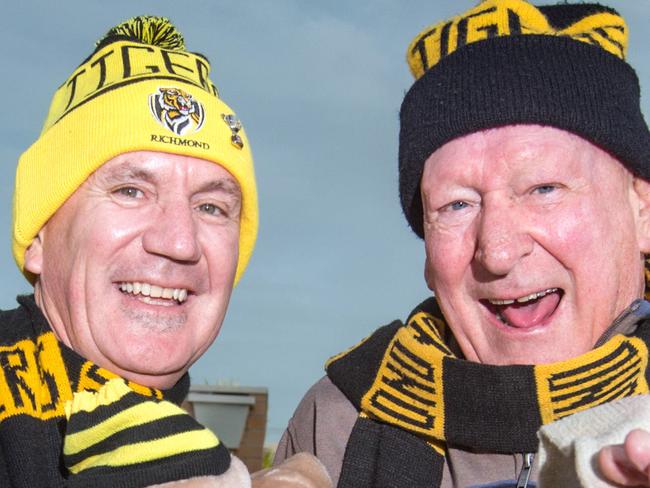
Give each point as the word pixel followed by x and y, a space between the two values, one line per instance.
pixel 221 185
pixel 129 171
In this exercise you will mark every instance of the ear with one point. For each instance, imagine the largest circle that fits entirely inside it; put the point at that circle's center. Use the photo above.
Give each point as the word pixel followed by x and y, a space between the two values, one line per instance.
pixel 428 273
pixel 34 255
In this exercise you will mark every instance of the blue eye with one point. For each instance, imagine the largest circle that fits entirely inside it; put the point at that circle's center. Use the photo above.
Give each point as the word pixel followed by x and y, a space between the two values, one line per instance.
pixel 545 189
pixel 210 208
pixel 129 191
pixel 458 205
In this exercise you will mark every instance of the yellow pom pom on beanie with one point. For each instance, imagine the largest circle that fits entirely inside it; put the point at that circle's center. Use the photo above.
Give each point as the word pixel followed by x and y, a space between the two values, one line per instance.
pixel 140 90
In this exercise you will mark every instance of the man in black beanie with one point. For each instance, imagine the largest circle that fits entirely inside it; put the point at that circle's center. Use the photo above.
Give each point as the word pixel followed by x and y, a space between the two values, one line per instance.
pixel 524 163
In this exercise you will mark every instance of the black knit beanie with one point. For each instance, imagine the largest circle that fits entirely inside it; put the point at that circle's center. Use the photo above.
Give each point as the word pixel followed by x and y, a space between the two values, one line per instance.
pixel 508 62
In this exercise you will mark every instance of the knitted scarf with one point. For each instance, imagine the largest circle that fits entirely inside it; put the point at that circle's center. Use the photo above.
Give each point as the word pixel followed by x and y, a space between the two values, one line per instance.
pixel 116 437
pixel 415 397
pixel 66 421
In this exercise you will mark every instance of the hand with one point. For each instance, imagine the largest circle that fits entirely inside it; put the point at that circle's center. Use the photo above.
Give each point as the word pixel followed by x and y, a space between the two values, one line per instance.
pixel 199 482
pixel 299 471
pixel 236 477
pixel 627 464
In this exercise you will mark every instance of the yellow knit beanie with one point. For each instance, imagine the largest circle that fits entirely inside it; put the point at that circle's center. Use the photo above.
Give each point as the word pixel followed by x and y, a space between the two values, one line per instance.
pixel 140 90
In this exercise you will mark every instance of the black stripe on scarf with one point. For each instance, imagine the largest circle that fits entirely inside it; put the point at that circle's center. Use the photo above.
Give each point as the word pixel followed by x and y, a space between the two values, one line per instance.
pixel 384 456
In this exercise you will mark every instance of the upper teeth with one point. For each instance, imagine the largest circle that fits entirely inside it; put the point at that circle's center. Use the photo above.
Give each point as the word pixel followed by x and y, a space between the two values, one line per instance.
pixel 524 299
pixel 154 291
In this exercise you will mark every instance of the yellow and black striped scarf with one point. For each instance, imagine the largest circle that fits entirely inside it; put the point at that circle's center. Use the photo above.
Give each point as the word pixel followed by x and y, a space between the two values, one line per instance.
pixel 415 397
pixel 113 433
pixel 117 437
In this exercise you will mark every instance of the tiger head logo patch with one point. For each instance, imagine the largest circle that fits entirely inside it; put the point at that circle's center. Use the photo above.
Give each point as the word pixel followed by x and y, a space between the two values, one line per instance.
pixel 177 111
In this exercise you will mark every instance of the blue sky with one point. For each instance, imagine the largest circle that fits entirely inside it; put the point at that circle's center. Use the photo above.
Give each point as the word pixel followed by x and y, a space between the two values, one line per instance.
pixel 318 87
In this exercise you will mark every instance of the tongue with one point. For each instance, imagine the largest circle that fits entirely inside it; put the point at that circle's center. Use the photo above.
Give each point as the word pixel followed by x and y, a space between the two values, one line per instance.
pixel 530 314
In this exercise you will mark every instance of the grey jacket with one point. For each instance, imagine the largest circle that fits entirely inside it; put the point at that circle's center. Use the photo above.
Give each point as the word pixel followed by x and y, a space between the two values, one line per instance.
pixel 324 419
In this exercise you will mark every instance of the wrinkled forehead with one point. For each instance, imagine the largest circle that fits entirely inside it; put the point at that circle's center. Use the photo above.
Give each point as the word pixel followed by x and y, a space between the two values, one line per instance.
pixel 521 149
pixel 165 168
pixel 164 174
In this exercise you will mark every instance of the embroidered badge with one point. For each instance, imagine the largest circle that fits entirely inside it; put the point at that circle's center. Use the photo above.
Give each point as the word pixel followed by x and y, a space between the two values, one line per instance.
pixel 235 126
pixel 177 111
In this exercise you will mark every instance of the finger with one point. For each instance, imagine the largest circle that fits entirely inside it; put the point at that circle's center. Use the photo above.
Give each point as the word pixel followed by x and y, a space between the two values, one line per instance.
pixel 637 449
pixel 616 467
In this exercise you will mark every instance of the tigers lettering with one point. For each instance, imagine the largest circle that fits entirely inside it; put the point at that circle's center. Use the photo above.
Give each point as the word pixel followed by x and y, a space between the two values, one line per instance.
pixel 507 18
pixel 33 380
pixel 129 62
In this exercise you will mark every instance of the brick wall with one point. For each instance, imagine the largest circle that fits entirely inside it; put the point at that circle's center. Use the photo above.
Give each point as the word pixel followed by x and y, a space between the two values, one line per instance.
pixel 251 449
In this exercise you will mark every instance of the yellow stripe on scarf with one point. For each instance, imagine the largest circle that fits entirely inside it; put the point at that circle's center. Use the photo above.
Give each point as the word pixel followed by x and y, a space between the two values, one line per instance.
pixel 151 450
pixel 615 370
pixel 136 415
pixel 407 390
pixel 135 451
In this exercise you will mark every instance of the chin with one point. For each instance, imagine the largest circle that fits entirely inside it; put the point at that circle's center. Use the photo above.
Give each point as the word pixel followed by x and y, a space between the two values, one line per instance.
pixel 533 353
pixel 162 376
pixel 149 357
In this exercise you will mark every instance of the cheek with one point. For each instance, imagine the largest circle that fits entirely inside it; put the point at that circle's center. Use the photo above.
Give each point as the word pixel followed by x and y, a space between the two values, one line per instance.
pixel 449 256
pixel 590 242
pixel 118 230
pixel 567 234
pixel 90 231
pixel 109 232
pixel 221 249
pixel 586 230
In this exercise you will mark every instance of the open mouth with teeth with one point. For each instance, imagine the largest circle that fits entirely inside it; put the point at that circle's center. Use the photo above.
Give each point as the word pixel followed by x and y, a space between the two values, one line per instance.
pixel 526 311
pixel 148 291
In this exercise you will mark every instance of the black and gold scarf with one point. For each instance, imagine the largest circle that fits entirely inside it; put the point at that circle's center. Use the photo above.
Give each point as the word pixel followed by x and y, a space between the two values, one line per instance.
pixel 415 397
pixel 70 422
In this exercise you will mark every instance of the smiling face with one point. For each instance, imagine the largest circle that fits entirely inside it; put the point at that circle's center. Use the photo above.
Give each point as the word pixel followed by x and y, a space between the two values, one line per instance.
pixel 534 240
pixel 136 268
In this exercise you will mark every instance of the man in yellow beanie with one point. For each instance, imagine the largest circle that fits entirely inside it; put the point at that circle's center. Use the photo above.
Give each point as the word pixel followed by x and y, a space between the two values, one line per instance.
pixel 524 165
pixel 135 214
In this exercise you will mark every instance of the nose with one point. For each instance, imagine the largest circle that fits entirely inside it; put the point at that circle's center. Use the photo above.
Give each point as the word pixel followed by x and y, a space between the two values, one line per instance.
pixel 502 240
pixel 173 233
